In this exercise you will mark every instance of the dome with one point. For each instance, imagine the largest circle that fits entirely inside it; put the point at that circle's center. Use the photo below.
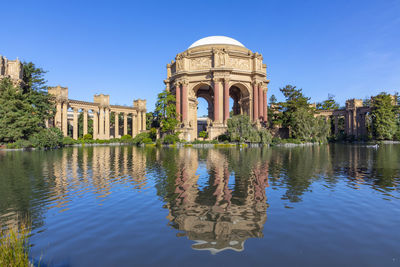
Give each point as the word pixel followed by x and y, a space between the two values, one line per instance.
pixel 216 40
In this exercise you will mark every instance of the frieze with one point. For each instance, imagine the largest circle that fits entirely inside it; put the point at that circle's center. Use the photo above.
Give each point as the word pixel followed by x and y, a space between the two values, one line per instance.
pixel 200 63
pixel 239 63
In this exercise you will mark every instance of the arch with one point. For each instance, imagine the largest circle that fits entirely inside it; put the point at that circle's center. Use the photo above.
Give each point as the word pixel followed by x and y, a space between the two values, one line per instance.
pixel 239 93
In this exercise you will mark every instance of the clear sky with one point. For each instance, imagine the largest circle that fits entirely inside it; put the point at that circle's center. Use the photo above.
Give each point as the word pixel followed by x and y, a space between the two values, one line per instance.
pixel 350 49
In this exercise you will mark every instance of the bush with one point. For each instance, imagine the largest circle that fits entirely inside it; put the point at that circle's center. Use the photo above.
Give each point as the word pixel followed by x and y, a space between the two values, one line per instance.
pixel 170 139
pixel 21 143
pixel 240 129
pixel 47 138
pixel 203 134
pixel 67 141
pixel 147 140
pixel 87 137
pixel 265 136
pixel 223 137
pixel 140 138
pixel 126 137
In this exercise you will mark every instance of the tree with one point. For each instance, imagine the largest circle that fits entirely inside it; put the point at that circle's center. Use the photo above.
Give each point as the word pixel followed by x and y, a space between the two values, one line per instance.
pixel 272 100
pixel 165 115
pixel 24 109
pixel 383 117
pixel 240 129
pixel 328 104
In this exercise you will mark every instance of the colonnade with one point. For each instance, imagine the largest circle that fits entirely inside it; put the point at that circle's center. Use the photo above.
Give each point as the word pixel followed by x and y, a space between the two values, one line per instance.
pixel 100 112
pixel 259 102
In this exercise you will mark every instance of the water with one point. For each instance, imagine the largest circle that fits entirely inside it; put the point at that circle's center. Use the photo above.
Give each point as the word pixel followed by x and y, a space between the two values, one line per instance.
pixel 127 206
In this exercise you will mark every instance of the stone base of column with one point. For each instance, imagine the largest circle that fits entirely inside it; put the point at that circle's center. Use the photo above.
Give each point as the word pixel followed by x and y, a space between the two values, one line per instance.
pixel 186 133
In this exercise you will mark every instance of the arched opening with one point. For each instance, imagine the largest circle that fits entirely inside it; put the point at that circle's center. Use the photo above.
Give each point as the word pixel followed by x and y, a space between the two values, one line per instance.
pixel 238 100
pixel 205 107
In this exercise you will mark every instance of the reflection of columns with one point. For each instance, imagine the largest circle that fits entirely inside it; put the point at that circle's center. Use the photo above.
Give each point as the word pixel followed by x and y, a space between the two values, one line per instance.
pixel 260 101
pixel 75 124
pixel 336 125
pixel 95 125
pixel 226 100
pixel 178 100
pixel 116 125
pixel 58 116
pixel 185 102
pixel 265 114
pixel 85 121
pixel 125 123
pixel 255 102
pixel 65 119
pixel 107 124
pixel 143 121
pixel 216 100
pixel 101 123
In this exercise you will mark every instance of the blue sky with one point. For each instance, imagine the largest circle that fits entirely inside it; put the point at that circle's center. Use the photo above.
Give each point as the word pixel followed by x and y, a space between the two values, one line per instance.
pixel 350 49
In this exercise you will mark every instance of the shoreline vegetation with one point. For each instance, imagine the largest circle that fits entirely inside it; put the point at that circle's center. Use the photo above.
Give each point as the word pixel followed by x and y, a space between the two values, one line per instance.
pixel 14 246
pixel 27 106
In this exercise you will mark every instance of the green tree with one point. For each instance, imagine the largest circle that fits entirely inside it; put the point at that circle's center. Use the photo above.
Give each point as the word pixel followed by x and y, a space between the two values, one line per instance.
pixel 328 104
pixel 24 109
pixel 165 115
pixel 383 115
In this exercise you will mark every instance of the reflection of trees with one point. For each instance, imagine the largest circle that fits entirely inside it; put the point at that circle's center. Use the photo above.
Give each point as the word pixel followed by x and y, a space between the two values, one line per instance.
pixel 31 181
pixel 216 216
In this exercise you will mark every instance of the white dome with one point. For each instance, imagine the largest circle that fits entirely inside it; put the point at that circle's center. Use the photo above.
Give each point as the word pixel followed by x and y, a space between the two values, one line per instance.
pixel 216 40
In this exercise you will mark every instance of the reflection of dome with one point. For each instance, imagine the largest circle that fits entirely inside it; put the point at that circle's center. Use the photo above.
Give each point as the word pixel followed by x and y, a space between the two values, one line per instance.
pixel 216 40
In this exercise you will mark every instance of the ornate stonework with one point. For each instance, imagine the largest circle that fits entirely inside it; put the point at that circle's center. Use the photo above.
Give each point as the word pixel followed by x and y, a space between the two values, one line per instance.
pixel 217 72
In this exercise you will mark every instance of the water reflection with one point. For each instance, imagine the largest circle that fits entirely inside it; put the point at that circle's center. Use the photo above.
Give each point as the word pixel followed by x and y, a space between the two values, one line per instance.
pixel 215 197
pixel 214 213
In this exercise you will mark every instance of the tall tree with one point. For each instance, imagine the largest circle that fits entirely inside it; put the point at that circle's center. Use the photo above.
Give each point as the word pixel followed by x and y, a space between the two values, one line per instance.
pixel 23 110
pixel 165 112
pixel 383 117
pixel 328 104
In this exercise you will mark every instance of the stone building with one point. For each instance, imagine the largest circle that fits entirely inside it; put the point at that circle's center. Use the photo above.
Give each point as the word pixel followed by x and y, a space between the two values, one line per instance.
pixel 217 68
pixel 12 69
pixel 100 110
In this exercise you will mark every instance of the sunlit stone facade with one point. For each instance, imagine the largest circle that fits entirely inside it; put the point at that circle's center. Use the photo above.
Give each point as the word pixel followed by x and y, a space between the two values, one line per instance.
pixel 217 68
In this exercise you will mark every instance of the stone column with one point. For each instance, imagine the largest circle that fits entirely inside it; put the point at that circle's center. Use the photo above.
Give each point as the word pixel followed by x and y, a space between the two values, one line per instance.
pixel 226 100
pixel 135 124
pixel 58 122
pixel 65 119
pixel 265 105
pixel 143 120
pixel 260 102
pixel 85 121
pixel 107 124
pixel 116 125
pixel 185 103
pixel 336 124
pixel 95 125
pixel 138 127
pixel 178 100
pixel 101 123
pixel 216 101
pixel 125 123
pixel 75 124
pixel 255 101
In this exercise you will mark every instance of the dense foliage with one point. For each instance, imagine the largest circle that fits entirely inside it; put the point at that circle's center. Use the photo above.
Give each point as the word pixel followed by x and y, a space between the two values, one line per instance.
pixel 328 104
pixel 47 138
pixel 384 117
pixel 165 116
pixel 23 110
pixel 241 129
pixel 298 115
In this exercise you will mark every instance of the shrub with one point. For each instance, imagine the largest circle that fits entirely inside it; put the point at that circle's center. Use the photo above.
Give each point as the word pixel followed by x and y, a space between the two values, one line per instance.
pixel 265 136
pixel 240 129
pixel 147 140
pixel 67 141
pixel 203 134
pixel 47 138
pixel 21 143
pixel 126 137
pixel 88 137
pixel 140 138
pixel 170 139
pixel 223 137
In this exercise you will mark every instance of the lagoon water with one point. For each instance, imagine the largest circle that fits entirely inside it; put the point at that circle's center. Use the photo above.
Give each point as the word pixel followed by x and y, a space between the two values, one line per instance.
pixel 330 205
